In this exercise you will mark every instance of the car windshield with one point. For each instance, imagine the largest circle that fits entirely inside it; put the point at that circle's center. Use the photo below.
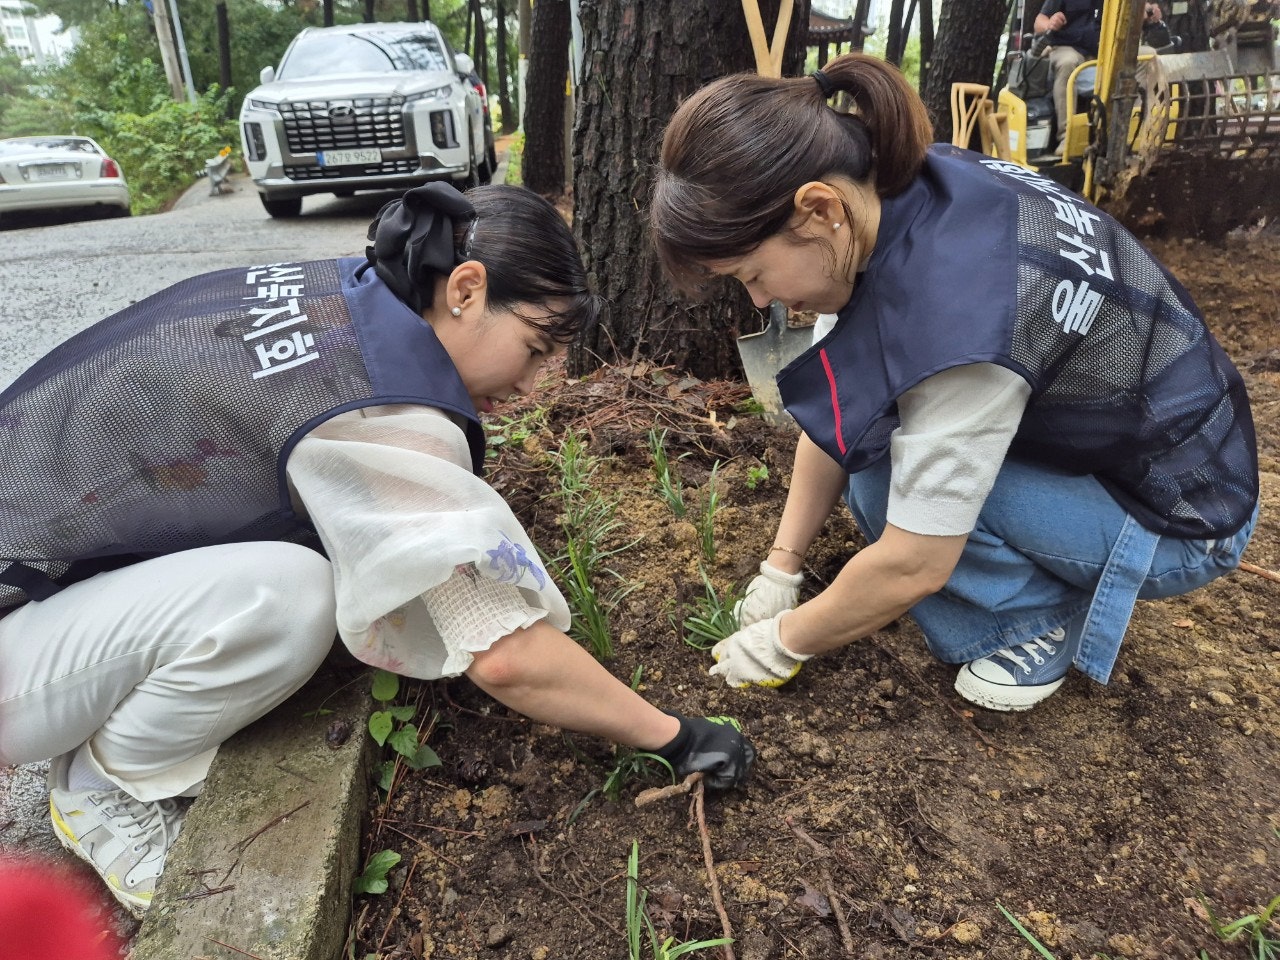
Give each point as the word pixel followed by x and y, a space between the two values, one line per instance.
pixel 321 54
pixel 25 144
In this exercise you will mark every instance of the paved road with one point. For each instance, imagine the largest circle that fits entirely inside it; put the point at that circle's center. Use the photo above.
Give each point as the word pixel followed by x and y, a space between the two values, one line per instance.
pixel 59 277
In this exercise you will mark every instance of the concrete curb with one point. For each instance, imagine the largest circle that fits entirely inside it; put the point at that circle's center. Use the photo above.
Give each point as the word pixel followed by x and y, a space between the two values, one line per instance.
pixel 266 860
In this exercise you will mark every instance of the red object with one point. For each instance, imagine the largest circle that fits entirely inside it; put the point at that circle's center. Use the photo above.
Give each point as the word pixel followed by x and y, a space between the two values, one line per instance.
pixel 48 914
pixel 109 168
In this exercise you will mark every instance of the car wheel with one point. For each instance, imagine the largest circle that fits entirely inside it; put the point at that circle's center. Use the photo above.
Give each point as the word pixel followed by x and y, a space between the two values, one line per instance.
pixel 485 174
pixel 472 178
pixel 283 208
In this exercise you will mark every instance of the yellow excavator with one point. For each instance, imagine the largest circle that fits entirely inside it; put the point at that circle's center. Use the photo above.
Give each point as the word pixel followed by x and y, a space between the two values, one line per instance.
pixel 1182 142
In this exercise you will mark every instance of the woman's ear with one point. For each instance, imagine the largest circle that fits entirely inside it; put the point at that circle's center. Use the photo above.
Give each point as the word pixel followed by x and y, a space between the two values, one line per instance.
pixel 465 291
pixel 819 206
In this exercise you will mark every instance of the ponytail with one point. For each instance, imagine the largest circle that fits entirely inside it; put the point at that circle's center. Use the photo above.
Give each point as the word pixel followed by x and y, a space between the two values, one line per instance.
pixel 735 152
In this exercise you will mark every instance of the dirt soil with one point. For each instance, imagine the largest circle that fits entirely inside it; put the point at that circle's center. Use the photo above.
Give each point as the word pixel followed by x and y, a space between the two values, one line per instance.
pixel 1104 819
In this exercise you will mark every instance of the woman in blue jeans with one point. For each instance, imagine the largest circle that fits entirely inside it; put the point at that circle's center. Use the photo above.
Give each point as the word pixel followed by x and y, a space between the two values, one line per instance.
pixel 1025 412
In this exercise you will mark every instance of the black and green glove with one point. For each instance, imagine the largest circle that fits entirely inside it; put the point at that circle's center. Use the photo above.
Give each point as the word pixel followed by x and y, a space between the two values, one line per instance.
pixel 713 746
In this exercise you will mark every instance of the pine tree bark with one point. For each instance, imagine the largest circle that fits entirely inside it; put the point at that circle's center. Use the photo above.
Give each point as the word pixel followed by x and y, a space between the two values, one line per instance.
pixel 966 49
pixel 641 58
pixel 543 162
pixel 509 121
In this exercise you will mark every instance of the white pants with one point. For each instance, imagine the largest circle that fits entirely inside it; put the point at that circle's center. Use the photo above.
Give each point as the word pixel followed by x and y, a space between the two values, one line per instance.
pixel 156 664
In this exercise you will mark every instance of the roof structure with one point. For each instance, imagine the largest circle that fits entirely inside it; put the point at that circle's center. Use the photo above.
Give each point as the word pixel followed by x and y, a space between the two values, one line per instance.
pixel 825 28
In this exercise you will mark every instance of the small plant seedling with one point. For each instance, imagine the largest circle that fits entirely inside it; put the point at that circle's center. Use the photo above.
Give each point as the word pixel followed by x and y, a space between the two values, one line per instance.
pixel 706 522
pixel 713 616
pixel 757 476
pixel 374 878
pixel 667 482
pixel 588 520
pixel 1254 929
pixel 514 431
pixel 638 921
pixel 1026 934
pixel 389 725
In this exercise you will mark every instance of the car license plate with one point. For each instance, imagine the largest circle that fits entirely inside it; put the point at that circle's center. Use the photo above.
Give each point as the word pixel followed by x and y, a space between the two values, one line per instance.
pixel 346 158
pixel 52 171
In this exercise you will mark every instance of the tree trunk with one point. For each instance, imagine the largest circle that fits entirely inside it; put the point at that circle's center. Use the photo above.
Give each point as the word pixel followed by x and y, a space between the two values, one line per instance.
pixel 543 163
pixel 966 50
pixel 224 50
pixel 328 13
pixel 411 10
pixel 896 40
pixel 522 66
pixel 481 54
pixel 369 11
pixel 509 120
pixel 641 58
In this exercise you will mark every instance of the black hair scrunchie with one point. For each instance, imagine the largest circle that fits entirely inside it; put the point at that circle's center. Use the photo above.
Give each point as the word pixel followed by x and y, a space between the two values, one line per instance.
pixel 825 84
pixel 413 241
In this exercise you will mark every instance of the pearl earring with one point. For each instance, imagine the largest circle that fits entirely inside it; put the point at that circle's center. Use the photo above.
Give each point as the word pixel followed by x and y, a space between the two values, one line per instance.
pixel 835 226
pixel 456 311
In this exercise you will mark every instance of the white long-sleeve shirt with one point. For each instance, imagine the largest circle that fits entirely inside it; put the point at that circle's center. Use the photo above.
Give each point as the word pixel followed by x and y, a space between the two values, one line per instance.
pixel 429 563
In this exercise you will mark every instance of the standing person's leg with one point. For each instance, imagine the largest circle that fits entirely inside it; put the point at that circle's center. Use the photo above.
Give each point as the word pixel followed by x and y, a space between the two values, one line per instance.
pixel 132 679
pixel 1064 60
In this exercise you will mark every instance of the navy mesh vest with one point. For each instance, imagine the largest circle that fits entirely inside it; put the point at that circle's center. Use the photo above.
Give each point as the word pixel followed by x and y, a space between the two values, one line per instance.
pixel 167 425
pixel 984 261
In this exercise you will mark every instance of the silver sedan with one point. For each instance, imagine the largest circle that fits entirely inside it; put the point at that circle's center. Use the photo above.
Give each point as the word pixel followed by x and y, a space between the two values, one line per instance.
pixel 45 173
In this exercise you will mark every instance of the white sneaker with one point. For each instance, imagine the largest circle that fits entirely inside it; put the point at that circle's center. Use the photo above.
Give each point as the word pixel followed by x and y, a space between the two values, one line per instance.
pixel 1018 677
pixel 124 839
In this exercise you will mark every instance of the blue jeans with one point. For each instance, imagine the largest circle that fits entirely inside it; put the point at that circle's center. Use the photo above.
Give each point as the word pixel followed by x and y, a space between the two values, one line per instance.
pixel 1049 550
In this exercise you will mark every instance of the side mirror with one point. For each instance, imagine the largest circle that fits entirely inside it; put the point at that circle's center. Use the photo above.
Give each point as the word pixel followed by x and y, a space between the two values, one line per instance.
pixel 464 63
pixel 267 75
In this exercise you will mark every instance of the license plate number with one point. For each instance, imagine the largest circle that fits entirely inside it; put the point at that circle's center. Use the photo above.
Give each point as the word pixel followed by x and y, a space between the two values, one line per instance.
pixel 346 158
pixel 54 171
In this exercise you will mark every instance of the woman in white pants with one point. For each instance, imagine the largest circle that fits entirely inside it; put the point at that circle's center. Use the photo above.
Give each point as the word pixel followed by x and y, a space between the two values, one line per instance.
pixel 192 439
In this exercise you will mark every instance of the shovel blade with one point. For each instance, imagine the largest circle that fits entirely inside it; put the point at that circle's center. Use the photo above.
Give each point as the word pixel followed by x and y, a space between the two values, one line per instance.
pixel 764 354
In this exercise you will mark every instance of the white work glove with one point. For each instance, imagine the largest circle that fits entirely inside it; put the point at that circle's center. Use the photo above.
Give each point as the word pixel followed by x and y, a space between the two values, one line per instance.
pixel 755 656
pixel 768 595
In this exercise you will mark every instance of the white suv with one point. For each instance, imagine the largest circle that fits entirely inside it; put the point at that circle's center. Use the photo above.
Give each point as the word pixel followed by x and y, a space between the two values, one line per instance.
pixel 369 106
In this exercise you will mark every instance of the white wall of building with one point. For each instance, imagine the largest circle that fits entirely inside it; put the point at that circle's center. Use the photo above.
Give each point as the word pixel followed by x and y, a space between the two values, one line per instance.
pixel 39 41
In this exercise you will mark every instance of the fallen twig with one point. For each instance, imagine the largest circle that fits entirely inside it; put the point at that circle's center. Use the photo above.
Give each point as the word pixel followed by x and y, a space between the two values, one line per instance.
pixel 654 794
pixel 699 790
pixel 242 953
pixel 846 937
pixel 243 845
pixel 1263 572
pixel 395 911
pixel 586 913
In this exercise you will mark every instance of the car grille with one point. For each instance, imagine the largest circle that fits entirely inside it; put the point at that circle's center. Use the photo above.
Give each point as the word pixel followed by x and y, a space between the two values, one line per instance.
pixel 371 122
pixel 385 168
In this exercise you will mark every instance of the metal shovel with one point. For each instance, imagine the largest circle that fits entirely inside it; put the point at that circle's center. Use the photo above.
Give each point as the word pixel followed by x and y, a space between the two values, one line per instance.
pixel 764 354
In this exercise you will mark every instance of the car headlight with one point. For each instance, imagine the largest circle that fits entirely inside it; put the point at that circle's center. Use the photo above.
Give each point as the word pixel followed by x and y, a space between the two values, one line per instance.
pixel 439 93
pixel 265 105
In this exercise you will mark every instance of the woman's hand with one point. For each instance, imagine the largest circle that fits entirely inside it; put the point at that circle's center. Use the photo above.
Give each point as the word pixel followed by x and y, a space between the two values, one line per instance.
pixel 755 656
pixel 712 746
pixel 769 594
